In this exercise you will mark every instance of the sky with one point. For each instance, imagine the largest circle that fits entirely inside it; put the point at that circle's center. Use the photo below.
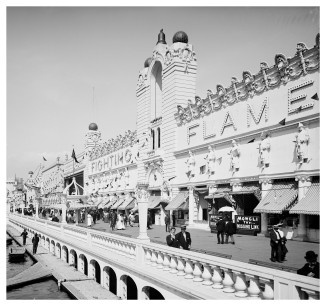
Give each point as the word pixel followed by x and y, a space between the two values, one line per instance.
pixel 56 56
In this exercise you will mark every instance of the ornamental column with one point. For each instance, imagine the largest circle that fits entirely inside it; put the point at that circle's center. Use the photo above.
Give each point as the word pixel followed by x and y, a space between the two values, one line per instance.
pixel 304 181
pixel 142 196
pixel 266 186
pixel 192 204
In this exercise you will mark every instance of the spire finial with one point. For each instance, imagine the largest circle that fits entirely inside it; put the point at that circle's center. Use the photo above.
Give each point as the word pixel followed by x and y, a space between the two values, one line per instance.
pixel 161 38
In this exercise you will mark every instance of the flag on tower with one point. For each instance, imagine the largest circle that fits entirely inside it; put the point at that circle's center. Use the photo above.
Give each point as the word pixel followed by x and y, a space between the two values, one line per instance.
pixel 73 155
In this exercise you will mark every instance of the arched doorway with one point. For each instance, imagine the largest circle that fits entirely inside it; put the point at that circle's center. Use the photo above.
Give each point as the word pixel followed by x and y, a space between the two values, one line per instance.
pixel 47 244
pixel 95 271
pixel 65 253
pixel 73 259
pixel 52 247
pixel 129 288
pixel 58 250
pixel 151 293
pixel 110 280
pixel 83 264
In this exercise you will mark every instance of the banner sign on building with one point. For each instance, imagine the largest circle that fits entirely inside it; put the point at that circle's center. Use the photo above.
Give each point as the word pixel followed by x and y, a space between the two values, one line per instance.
pixel 248 223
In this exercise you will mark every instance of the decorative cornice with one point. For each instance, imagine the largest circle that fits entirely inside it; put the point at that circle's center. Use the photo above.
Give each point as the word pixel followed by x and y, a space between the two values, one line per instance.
pixel 284 70
pixel 303 178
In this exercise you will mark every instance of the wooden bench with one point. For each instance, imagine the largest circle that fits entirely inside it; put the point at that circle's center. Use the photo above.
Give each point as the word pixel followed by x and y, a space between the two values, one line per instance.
pixel 273 265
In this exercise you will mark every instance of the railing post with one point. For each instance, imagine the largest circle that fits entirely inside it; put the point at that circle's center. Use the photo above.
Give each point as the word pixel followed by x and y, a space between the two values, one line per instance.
pixel 228 281
pixel 312 294
pixel 217 277
pixel 268 293
pixel 197 271
pixel 140 254
pixel 181 266
pixel 207 275
pixel 253 289
pixel 240 285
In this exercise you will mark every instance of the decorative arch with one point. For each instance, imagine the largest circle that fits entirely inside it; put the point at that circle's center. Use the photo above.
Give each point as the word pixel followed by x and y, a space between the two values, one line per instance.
pixel 73 259
pixel 110 279
pixel 128 288
pixel 156 89
pixel 95 270
pixel 64 253
pixel 83 264
pixel 155 177
pixel 58 250
pixel 52 247
pixel 151 293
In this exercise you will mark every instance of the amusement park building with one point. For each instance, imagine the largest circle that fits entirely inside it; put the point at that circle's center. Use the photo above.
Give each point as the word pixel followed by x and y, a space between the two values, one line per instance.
pixel 252 145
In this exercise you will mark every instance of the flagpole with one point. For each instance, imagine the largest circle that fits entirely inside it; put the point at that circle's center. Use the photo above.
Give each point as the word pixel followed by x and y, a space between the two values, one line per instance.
pixel 73 164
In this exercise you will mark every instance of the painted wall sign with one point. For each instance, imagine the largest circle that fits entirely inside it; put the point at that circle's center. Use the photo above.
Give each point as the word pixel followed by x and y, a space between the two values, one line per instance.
pixel 251 223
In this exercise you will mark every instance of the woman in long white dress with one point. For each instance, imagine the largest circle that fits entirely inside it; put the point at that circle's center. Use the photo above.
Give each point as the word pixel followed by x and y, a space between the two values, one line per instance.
pixel 89 219
pixel 120 224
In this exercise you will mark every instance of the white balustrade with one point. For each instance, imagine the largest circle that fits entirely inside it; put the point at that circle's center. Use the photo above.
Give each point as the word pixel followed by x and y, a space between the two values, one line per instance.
pixel 268 293
pixel 159 260
pixel 312 294
pixel 253 289
pixel 166 262
pixel 197 271
pixel 217 277
pixel 207 275
pixel 154 259
pixel 181 266
pixel 148 256
pixel 240 284
pixel 173 264
pixel 228 281
pixel 188 269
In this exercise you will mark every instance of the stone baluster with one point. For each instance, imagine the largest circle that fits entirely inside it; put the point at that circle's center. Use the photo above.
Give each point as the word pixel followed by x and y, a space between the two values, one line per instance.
pixel 159 260
pixel 268 293
pixel 166 262
pixel 173 264
pixel 228 281
pixel 197 271
pixel 312 294
pixel 131 251
pixel 240 284
pixel 148 256
pixel 207 275
pixel 188 269
pixel 181 266
pixel 253 289
pixel 154 258
pixel 217 277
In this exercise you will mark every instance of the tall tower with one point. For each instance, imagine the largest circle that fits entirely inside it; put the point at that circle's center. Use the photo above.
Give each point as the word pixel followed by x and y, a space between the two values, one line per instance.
pixel 167 79
pixel 92 137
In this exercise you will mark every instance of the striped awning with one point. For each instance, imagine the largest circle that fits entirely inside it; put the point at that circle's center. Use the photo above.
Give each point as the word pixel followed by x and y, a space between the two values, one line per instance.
pixel 178 200
pixel 310 204
pixel 154 201
pixel 248 189
pixel 278 199
pixel 118 203
pixel 126 203
pixel 221 192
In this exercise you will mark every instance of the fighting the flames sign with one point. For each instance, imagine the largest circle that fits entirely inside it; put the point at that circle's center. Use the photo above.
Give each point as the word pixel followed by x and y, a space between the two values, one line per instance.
pixel 248 223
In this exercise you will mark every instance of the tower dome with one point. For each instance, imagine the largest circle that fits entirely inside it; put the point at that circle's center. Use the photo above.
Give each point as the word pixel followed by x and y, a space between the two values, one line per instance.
pixel 93 127
pixel 147 62
pixel 180 36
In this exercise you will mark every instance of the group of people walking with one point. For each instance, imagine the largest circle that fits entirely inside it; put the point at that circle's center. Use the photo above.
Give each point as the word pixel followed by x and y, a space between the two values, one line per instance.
pixel 225 227
pixel 278 244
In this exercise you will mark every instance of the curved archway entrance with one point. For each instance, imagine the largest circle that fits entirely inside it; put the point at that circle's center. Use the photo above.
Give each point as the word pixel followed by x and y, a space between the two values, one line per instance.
pixel 65 254
pixel 95 271
pixel 58 250
pixel 110 279
pixel 151 293
pixel 83 264
pixel 73 259
pixel 129 288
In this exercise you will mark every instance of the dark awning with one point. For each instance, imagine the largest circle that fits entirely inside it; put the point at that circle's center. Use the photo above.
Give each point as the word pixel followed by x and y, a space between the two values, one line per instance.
pixel 248 189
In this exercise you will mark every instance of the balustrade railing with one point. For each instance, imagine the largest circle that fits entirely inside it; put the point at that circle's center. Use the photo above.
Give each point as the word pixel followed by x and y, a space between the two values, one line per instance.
pixel 243 280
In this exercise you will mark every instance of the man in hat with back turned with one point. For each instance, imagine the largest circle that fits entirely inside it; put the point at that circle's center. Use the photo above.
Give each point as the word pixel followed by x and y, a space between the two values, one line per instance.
pixel 275 237
pixel 311 268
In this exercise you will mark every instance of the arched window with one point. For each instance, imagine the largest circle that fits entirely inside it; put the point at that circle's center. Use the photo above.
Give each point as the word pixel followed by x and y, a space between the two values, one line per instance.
pixel 153 139
pixel 156 90
pixel 158 137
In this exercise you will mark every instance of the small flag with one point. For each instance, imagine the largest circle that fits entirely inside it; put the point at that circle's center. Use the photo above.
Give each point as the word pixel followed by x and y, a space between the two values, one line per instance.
pixel 73 155
pixel 282 122
pixel 315 97
pixel 44 158
pixel 251 141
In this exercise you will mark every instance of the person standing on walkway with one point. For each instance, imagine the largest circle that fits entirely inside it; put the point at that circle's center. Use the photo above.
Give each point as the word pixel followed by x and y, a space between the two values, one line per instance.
pixel 183 238
pixel 35 241
pixel 24 234
pixel 131 219
pixel 173 219
pixel 220 227
pixel 171 240
pixel 113 220
pixel 311 268
pixel 282 242
pixel 167 222
pixel 89 219
pixel 229 231
pixel 275 244
pixel 149 222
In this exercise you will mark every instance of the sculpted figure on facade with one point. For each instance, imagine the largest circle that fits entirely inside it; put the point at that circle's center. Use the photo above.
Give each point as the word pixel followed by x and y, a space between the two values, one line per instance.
pixel 302 143
pixel 264 149
pixel 210 160
pixel 126 176
pixel 234 156
pixel 191 163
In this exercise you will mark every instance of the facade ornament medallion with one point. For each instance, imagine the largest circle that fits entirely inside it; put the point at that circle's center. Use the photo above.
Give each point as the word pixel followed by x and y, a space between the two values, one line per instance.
pixel 264 149
pixel 211 161
pixel 141 192
pixel 302 143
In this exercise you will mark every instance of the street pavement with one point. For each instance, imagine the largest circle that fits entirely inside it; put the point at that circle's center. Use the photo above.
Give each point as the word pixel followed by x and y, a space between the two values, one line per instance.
pixel 246 247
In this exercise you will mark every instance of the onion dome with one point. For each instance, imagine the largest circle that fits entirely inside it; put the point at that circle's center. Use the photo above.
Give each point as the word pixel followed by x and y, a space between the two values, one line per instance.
pixel 93 127
pixel 161 38
pixel 180 36
pixel 148 62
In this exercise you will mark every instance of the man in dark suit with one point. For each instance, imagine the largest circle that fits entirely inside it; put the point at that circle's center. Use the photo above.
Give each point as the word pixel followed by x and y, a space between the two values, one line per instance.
pixel 311 268
pixel 275 244
pixel 171 240
pixel 220 227
pixel 183 238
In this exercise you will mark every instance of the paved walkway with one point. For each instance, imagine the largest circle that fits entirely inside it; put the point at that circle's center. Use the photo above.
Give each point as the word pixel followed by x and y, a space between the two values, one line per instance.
pixel 84 288
pixel 245 248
